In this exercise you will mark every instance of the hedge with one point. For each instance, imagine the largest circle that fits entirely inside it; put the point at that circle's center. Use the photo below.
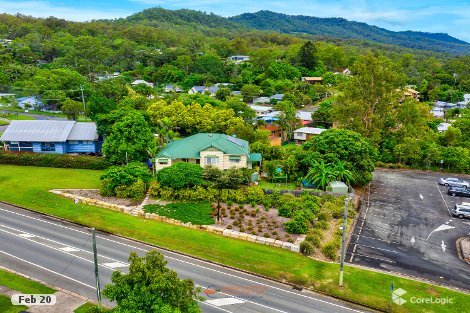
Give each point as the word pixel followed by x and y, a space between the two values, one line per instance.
pixel 53 160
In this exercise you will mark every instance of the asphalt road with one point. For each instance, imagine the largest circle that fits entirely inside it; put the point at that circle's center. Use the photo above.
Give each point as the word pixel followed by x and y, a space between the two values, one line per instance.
pixel 405 226
pixel 59 253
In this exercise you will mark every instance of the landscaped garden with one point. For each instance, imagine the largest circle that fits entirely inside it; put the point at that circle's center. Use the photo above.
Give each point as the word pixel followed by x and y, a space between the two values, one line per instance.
pixel 196 213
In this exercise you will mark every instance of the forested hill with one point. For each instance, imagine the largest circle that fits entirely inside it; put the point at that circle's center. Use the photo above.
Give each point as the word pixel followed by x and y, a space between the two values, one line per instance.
pixel 342 28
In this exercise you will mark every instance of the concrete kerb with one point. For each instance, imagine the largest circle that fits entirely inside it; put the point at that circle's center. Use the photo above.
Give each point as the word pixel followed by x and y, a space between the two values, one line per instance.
pixel 209 228
pixel 463 249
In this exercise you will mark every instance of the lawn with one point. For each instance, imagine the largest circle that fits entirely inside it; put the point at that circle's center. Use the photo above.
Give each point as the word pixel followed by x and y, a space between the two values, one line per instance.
pixel 277 185
pixel 196 213
pixel 88 306
pixel 20 284
pixel 361 286
pixel 3 123
pixel 13 116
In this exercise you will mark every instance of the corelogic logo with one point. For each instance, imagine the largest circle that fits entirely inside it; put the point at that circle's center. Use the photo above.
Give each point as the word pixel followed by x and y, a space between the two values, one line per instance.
pixel 397 296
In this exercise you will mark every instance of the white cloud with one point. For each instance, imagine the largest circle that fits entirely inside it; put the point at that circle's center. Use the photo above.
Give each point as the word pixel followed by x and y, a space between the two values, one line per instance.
pixel 46 9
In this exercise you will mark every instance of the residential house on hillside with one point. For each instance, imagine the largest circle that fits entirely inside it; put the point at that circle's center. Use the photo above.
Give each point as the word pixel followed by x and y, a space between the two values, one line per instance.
pixel 411 93
pixel 141 81
pixel 239 58
pixel 442 127
pixel 277 97
pixel 219 150
pixel 261 100
pixel 260 109
pixel 49 136
pixel 32 102
pixel 465 102
pixel 172 88
pixel 275 136
pixel 312 80
pixel 305 133
pixel 305 117
pixel 197 89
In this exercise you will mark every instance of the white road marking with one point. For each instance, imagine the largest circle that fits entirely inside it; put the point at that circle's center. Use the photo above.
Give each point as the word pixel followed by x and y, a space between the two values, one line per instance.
pixel 46 269
pixel 213 306
pixel 413 240
pixel 421 196
pixel 224 301
pixel 115 264
pixel 189 263
pixel 440 228
pixel 375 258
pixel 443 199
pixel 26 235
pixel 381 249
pixel 69 249
pixel 443 246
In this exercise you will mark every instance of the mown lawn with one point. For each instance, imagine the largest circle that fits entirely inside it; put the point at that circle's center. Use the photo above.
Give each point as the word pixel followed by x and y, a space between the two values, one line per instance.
pixel 20 284
pixel 195 213
pixel 3 123
pixel 276 186
pixel 14 117
pixel 27 186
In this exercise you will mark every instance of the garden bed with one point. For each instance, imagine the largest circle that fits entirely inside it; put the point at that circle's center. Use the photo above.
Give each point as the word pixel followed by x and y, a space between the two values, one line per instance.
pixel 95 194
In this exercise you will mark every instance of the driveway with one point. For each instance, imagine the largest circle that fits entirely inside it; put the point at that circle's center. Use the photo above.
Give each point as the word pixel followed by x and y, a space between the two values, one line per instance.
pixel 405 226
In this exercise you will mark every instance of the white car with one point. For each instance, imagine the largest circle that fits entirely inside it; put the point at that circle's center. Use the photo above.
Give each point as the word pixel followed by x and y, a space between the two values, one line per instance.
pixel 454 182
pixel 461 210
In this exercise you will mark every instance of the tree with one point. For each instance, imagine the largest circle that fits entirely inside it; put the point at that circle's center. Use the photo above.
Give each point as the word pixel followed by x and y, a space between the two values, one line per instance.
pixel 130 139
pixel 222 180
pixel 371 97
pixel 307 55
pixel 288 120
pixel 72 109
pixel 151 287
pixel 341 173
pixel 180 175
pixel 344 145
pixel 320 174
pixel 249 92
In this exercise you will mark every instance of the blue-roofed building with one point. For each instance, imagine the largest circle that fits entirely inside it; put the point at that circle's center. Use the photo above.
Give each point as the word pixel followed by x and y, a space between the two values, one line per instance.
pixel 49 136
pixel 197 89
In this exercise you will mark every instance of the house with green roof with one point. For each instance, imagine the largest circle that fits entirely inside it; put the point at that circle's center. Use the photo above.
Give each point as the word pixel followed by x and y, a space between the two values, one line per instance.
pixel 219 150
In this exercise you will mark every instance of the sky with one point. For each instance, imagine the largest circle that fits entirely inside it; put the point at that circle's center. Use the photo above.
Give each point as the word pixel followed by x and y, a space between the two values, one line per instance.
pixel 437 16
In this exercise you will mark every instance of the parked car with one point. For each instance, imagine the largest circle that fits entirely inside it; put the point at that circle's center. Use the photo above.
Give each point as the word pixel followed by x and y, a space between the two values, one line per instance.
pixel 461 210
pixel 454 182
pixel 458 192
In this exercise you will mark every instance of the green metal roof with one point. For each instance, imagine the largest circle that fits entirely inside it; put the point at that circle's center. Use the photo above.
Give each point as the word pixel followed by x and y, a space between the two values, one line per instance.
pixel 190 147
pixel 255 157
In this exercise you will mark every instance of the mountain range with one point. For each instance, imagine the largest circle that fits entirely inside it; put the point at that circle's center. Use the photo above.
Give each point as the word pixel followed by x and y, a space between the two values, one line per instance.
pixel 336 28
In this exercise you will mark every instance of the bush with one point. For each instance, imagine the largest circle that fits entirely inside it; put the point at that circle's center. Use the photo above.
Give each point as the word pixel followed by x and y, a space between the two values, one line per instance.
pixel 54 160
pixel 123 177
pixel 135 191
pixel 300 223
pixel 330 249
pixel 321 225
pixel 313 240
pixel 306 248
pixel 180 175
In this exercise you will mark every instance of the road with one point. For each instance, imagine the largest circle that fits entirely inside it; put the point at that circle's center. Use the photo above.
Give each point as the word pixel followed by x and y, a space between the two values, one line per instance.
pixel 406 227
pixel 59 253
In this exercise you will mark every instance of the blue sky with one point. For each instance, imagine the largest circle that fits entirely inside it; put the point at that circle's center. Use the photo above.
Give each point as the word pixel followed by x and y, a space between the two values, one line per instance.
pixel 450 16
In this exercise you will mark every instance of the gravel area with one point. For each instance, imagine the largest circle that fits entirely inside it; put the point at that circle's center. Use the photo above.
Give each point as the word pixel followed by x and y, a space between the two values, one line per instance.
pixel 95 194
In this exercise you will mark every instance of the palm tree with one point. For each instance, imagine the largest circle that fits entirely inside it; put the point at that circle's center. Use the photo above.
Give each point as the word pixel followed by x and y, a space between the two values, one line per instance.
pixel 341 173
pixel 320 174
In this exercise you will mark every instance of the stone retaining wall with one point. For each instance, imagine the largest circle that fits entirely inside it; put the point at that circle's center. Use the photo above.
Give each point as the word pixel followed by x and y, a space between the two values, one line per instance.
pixel 209 228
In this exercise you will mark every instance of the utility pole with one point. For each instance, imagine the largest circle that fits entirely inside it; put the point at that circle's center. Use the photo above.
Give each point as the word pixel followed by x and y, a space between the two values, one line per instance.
pixel 343 239
pixel 83 100
pixel 97 276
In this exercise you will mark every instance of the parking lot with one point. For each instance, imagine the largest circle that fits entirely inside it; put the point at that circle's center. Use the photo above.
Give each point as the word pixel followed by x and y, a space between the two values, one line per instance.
pixel 405 226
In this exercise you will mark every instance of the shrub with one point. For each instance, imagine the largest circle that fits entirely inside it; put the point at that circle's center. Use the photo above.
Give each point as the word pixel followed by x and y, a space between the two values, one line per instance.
pixel 242 229
pixel 323 216
pixel 330 249
pixel 321 225
pixel 300 223
pixel 122 178
pixel 313 240
pixel 306 248
pixel 54 160
pixel 229 226
pixel 180 175
pixel 135 191
pixel 266 235
pixel 285 210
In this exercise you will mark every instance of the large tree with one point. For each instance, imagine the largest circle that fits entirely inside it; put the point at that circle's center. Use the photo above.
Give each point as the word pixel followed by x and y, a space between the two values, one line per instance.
pixel 151 287
pixel 307 55
pixel 130 139
pixel 370 98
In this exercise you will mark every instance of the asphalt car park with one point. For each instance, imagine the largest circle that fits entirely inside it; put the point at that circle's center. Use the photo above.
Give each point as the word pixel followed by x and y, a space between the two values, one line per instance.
pixel 406 226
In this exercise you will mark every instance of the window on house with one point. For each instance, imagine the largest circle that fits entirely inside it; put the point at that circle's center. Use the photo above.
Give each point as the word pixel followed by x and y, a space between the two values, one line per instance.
pixel 212 160
pixel 47 146
pixel 162 161
pixel 185 160
pixel 235 159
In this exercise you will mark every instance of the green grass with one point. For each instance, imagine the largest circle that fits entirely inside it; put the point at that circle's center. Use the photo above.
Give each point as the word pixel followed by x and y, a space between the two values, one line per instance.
pixel 7 307
pixel 276 186
pixel 33 112
pixel 196 213
pixel 87 306
pixel 3 123
pixel 22 284
pixel 19 284
pixel 363 286
pixel 14 117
